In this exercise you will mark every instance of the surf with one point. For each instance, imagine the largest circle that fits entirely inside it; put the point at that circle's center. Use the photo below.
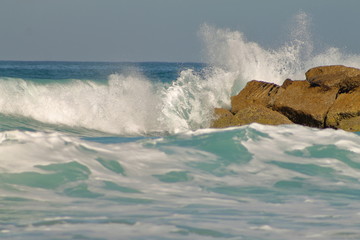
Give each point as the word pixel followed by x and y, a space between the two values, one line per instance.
pixel 252 176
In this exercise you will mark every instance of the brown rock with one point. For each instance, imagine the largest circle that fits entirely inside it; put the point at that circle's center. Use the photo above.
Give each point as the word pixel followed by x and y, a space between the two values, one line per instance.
pixel 331 70
pixel 304 104
pixel 345 111
pixel 223 118
pixel 329 97
pixel 247 115
pixel 260 114
pixel 286 83
pixel 349 84
pixel 350 124
pixel 255 92
pixel 331 76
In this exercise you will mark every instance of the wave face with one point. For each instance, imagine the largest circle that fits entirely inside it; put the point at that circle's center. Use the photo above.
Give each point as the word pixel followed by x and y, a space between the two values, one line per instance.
pixel 251 182
pixel 125 104
pixel 157 99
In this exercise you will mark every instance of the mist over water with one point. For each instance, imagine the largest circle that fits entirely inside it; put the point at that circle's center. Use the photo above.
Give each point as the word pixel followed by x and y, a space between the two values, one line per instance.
pixel 234 53
pixel 129 103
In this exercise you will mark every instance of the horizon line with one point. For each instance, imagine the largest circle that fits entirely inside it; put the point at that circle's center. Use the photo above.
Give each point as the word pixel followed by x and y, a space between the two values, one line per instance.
pixel 101 61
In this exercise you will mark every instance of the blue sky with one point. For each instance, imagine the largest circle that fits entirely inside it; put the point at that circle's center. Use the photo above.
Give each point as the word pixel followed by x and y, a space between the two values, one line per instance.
pixel 161 30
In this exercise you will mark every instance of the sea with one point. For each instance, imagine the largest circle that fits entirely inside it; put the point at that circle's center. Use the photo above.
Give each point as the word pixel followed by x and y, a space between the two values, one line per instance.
pixel 124 150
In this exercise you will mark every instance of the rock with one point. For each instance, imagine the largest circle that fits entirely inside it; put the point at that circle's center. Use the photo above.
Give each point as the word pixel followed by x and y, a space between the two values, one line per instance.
pixel 247 115
pixel 350 124
pixel 349 84
pixel 255 92
pixel 304 104
pixel 223 118
pixel 286 83
pixel 331 76
pixel 345 112
pixel 260 114
pixel 329 97
pixel 316 72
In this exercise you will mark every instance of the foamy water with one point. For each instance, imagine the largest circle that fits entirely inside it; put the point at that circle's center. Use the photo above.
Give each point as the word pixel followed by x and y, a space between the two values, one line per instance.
pixel 250 182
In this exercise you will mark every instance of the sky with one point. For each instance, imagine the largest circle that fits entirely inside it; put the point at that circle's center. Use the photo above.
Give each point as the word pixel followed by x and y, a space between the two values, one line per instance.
pixel 161 30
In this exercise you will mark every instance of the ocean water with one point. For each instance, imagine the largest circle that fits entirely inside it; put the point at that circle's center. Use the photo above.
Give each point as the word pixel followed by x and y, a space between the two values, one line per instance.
pixel 124 150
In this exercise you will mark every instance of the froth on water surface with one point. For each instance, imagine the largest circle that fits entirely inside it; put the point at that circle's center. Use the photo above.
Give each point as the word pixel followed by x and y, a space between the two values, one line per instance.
pixel 253 182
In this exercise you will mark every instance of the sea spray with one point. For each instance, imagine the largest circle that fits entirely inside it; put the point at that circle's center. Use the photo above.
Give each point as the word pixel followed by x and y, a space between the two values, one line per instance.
pixel 188 103
pixel 126 104
pixel 247 60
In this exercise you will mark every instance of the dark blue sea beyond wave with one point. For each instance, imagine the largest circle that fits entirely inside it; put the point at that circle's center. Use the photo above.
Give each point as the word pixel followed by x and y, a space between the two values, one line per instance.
pixel 97 71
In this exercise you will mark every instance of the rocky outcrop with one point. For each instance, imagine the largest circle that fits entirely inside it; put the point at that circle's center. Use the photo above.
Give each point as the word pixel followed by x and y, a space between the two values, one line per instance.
pixel 223 118
pixel 345 112
pixel 331 76
pixel 329 97
pixel 303 103
pixel 247 115
pixel 260 114
pixel 254 93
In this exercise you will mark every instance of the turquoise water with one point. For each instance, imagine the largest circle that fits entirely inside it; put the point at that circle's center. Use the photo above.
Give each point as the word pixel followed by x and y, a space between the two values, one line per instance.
pixel 253 182
pixel 66 176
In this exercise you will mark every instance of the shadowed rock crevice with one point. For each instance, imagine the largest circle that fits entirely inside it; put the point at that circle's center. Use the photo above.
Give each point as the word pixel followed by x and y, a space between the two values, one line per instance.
pixel 328 97
pixel 300 117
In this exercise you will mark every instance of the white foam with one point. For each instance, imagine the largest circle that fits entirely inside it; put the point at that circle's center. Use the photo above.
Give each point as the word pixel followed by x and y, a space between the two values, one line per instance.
pixel 233 52
pixel 282 140
pixel 24 152
pixel 127 104
pixel 188 103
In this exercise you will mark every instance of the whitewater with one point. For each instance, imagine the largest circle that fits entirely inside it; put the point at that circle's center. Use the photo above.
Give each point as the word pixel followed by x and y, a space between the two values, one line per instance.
pixel 96 150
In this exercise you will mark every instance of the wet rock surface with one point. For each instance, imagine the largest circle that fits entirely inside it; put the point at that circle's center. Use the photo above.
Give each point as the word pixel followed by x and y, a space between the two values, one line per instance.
pixel 328 97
